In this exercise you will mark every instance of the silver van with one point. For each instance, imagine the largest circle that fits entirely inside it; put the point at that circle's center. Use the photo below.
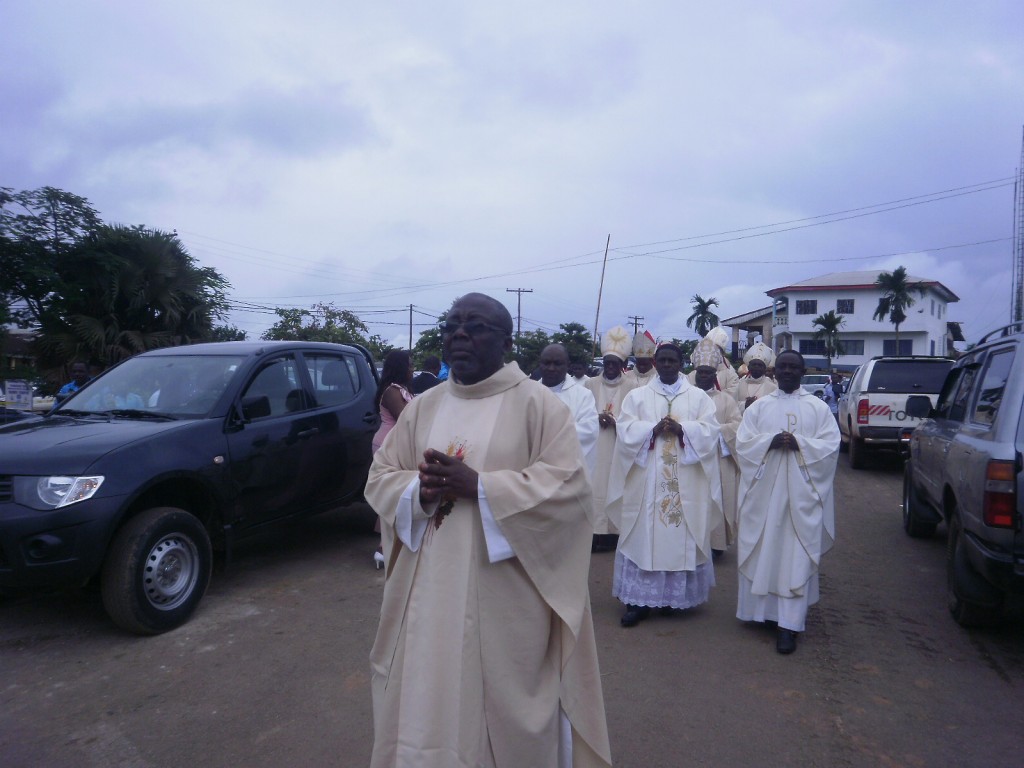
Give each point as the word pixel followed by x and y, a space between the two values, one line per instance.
pixel 964 469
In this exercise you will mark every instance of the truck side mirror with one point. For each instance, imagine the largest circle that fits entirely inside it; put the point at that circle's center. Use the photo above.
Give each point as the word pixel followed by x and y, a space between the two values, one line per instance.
pixel 258 406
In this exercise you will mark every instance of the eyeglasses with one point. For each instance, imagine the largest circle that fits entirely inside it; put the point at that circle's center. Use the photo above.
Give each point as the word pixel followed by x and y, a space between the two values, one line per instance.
pixel 471 327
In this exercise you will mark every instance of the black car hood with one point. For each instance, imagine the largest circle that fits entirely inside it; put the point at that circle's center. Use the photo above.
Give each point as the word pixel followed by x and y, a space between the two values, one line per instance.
pixel 63 445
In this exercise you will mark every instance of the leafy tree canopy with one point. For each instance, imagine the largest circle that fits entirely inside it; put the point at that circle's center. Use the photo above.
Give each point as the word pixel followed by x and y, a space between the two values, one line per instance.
pixel 323 322
pixel 703 317
pixel 95 291
pixel 577 341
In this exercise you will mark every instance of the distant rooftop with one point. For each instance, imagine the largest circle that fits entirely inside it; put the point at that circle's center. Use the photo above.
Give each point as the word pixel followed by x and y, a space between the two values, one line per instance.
pixel 864 279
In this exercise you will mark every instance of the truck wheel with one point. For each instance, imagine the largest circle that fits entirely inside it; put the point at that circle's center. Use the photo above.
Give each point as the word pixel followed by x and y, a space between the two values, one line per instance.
pixel 856 452
pixel 973 602
pixel 156 571
pixel 912 524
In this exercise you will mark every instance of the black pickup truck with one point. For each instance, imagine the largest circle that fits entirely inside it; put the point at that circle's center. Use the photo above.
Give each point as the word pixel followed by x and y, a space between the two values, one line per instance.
pixel 177 453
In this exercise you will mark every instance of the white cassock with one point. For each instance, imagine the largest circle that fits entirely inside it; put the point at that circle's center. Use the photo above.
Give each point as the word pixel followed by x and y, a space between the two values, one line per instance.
pixel 581 404
pixel 608 396
pixel 723 533
pixel 786 511
pixel 669 495
pixel 751 387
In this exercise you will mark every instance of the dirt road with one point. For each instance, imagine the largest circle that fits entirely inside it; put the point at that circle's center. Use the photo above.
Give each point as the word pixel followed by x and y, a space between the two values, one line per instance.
pixel 273 669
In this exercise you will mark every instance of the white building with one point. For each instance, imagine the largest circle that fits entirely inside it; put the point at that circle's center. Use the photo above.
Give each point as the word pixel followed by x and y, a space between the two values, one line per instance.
pixel 854 295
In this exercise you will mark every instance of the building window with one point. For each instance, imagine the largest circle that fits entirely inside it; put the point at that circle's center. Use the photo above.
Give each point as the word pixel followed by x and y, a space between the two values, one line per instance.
pixel 933 348
pixel 812 346
pixel 940 311
pixel 844 306
pixel 933 307
pixel 889 347
pixel 852 346
pixel 807 306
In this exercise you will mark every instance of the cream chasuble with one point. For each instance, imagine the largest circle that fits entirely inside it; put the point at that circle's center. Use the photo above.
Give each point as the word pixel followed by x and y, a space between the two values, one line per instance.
pixel 786 511
pixel 723 533
pixel 669 494
pixel 750 387
pixel 608 395
pixel 479 650
pixel 641 379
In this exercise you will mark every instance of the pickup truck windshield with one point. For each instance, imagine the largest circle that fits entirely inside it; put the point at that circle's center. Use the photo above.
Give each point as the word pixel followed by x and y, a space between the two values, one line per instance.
pixel 176 385
pixel 914 376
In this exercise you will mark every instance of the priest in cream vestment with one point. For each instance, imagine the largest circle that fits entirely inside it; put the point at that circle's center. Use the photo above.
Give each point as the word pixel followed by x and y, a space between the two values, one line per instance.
pixel 787 446
pixel 665 477
pixel 723 532
pixel 485 654
pixel 609 390
pixel 756 383
pixel 728 379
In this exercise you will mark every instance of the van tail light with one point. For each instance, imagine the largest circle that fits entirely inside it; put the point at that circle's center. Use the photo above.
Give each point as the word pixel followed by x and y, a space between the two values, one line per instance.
pixel 1000 506
pixel 862 411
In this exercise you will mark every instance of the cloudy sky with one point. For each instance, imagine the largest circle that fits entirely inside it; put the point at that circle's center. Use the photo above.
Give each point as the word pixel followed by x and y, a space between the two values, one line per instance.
pixel 377 155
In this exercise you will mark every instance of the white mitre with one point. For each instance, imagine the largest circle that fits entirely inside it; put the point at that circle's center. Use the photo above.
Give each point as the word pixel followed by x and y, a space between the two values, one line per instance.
pixel 616 342
pixel 706 353
pixel 719 337
pixel 759 351
pixel 644 344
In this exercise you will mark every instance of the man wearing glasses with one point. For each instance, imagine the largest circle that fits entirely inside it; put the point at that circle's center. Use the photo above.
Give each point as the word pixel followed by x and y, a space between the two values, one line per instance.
pixel 485 653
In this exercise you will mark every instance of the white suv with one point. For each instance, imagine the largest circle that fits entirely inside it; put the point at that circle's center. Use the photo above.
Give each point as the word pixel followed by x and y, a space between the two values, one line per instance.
pixel 873 410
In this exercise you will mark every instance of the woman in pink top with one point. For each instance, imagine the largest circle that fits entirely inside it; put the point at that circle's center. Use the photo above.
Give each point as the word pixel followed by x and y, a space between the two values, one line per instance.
pixel 393 394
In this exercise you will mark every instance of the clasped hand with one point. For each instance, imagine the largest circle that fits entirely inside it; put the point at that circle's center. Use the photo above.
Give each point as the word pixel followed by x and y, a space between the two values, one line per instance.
pixel 442 475
pixel 668 425
pixel 785 441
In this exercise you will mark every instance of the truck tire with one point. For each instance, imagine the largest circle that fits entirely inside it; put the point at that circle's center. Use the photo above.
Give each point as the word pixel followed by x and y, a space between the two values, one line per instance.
pixel 973 602
pixel 914 526
pixel 157 571
pixel 856 452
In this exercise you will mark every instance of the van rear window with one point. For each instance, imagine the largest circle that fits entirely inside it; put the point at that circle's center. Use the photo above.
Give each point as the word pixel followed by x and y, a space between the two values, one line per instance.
pixel 914 376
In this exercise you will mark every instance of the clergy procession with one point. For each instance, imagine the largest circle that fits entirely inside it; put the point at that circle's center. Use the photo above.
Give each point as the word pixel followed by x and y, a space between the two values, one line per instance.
pixel 494 491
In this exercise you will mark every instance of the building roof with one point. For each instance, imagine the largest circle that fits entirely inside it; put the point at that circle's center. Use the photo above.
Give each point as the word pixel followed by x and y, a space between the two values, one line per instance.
pixel 863 280
pixel 747 317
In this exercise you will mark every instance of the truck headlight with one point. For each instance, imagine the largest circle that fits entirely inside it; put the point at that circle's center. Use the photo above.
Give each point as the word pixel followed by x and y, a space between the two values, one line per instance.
pixel 60 490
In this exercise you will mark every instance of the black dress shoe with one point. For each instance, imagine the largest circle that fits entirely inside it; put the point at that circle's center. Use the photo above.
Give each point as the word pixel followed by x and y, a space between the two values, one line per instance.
pixel 785 641
pixel 634 615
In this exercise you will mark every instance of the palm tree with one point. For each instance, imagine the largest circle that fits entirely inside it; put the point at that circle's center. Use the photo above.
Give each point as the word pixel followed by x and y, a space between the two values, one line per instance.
pixel 703 319
pixel 895 299
pixel 828 326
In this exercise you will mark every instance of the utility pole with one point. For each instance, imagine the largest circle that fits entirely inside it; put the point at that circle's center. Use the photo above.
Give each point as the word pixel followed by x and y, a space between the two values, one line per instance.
pixel 519 309
pixel 636 322
pixel 410 327
pixel 600 290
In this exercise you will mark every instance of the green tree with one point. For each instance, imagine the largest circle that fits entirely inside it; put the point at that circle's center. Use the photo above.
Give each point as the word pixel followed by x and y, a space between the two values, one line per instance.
pixel 227 333
pixel 124 290
pixel 703 318
pixel 323 322
pixel 378 347
pixel 828 326
pixel 529 347
pixel 895 299
pixel 38 230
pixel 429 342
pixel 577 341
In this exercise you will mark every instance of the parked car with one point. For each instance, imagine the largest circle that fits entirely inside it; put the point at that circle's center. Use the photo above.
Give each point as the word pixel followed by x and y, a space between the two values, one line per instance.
pixel 873 410
pixel 814 383
pixel 965 469
pixel 174 454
